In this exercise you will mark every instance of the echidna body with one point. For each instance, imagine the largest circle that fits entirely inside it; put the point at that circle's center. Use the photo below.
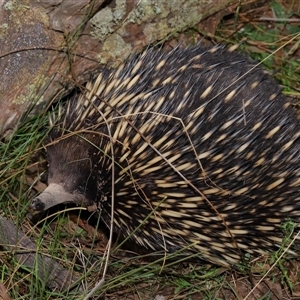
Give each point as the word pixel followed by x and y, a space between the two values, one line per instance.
pixel 203 146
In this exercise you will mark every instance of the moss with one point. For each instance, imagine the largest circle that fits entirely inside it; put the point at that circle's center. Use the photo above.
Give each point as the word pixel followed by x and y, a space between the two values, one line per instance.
pixel 120 47
pixel 29 92
pixel 105 21
pixel 158 19
pixel 3 29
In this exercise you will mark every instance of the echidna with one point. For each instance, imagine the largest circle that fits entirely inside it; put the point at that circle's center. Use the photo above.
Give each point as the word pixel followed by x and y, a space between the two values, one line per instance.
pixel 203 146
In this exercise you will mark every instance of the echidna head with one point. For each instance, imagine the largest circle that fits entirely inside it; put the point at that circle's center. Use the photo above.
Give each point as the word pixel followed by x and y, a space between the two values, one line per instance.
pixel 73 175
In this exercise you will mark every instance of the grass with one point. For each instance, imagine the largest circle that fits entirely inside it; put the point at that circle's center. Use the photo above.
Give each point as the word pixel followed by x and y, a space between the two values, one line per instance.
pixel 75 244
pixel 275 43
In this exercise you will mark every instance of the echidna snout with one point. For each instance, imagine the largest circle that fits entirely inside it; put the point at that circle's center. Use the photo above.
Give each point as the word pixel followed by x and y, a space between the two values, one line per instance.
pixel 203 146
